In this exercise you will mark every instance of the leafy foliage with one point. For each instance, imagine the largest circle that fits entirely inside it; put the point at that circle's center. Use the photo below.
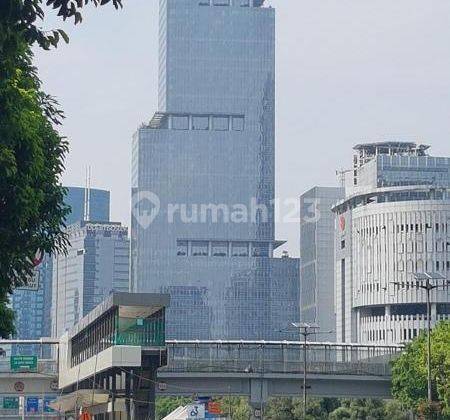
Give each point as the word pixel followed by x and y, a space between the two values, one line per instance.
pixel 6 318
pixel 31 150
pixel 31 160
pixel 24 17
pixel 292 409
pixel 410 372
pixel 165 405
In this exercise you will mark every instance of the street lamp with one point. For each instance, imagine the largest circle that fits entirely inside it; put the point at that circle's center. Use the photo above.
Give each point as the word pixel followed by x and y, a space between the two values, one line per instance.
pixel 305 329
pixel 427 282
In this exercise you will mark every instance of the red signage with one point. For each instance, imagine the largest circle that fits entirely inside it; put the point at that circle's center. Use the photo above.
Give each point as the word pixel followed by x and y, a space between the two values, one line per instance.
pixel 342 223
pixel 214 408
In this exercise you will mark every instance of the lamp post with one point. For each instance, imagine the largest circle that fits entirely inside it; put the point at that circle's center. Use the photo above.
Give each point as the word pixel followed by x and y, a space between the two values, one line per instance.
pixel 305 330
pixel 427 282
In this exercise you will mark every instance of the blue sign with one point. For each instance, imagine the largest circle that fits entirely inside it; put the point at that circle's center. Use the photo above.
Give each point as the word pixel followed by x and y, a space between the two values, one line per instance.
pixel 47 401
pixel 32 405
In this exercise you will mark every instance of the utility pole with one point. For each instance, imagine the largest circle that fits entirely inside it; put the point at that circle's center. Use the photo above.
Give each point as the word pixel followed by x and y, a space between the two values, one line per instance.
pixel 305 330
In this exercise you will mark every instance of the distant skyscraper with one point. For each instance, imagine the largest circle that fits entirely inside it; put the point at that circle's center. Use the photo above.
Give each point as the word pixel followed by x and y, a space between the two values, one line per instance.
pixel 99 204
pixel 203 177
pixel 97 262
pixel 393 223
pixel 33 307
pixel 317 258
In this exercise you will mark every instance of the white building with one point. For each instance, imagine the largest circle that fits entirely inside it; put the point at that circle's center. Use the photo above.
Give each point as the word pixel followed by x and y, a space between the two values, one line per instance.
pixel 96 263
pixel 393 223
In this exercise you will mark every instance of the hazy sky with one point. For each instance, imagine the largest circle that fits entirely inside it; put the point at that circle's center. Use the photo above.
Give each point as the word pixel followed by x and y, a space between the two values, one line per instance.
pixel 347 71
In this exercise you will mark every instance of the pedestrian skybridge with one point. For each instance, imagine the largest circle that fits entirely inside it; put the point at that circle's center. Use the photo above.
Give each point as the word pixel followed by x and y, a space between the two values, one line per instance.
pixel 264 369
pixel 280 357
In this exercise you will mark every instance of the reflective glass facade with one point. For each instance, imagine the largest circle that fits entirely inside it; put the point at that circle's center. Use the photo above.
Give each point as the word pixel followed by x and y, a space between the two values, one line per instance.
pixel 96 263
pixel 99 204
pixel 317 258
pixel 203 169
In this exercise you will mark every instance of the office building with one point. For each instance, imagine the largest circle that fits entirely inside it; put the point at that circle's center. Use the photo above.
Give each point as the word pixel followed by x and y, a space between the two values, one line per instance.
pixel 33 307
pixel 96 263
pixel 203 177
pixel 317 259
pixel 393 224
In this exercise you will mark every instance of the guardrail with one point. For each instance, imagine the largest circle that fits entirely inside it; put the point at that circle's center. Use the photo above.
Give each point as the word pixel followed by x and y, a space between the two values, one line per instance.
pixel 279 357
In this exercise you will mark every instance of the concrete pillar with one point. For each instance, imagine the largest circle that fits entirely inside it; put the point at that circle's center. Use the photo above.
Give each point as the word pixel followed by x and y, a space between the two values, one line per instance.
pixel 259 396
pixel 144 390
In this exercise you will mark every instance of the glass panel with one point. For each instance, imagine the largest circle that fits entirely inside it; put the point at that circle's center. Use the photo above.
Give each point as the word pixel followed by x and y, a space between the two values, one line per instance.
pixel 200 123
pixel 200 249
pixel 220 123
pixel 182 248
pixel 238 123
pixel 239 249
pixel 220 249
pixel 141 331
pixel 260 249
pixel 180 122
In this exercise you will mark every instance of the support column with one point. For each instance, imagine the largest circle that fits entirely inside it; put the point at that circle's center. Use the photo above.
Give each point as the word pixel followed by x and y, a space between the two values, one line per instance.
pixel 127 395
pixel 144 390
pixel 259 396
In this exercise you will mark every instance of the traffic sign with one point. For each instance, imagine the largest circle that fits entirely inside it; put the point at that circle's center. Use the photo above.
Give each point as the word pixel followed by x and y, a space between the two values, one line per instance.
pixel 10 403
pixel 23 363
pixel 46 406
pixel 32 405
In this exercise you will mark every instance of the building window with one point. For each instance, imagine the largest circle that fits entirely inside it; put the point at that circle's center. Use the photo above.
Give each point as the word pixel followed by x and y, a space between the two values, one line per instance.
pixel 220 249
pixel 239 249
pixel 182 248
pixel 204 3
pixel 243 3
pixel 200 249
pixel 221 2
pixel 238 123
pixel 180 122
pixel 343 244
pixel 260 249
pixel 220 123
pixel 200 122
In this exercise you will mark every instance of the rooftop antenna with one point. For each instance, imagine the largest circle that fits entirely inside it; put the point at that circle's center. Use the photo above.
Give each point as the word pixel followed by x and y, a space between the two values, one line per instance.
pixel 341 176
pixel 87 194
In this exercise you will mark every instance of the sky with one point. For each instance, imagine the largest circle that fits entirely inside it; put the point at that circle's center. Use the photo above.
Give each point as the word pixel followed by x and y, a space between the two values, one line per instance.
pixel 348 71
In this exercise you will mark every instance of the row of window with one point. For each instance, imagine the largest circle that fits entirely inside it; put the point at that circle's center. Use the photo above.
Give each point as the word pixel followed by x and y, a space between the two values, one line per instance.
pixel 207 122
pixel 408 227
pixel 222 249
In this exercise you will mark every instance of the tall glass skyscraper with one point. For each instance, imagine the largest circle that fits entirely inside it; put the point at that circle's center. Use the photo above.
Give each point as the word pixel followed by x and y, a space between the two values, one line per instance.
pixel 33 307
pixel 203 177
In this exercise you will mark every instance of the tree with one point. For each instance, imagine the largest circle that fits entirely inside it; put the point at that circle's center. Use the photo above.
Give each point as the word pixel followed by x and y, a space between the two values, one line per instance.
pixel 32 152
pixel 6 318
pixel 409 372
pixel 165 405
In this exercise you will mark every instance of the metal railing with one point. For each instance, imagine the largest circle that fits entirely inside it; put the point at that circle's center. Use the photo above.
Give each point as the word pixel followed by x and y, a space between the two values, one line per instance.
pixel 279 357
